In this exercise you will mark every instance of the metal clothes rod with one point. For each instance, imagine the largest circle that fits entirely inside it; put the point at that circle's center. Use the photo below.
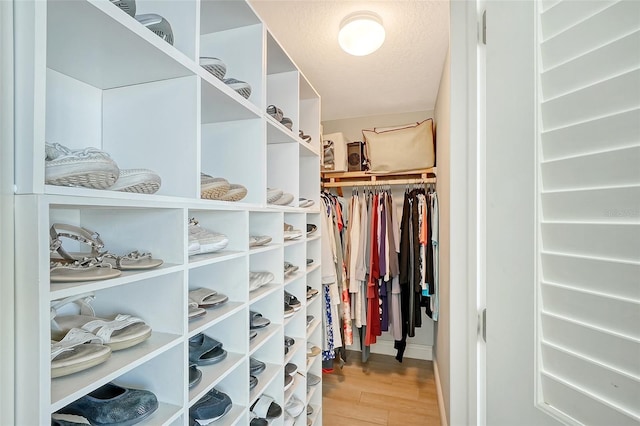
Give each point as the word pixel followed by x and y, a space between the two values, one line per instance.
pixel 379 182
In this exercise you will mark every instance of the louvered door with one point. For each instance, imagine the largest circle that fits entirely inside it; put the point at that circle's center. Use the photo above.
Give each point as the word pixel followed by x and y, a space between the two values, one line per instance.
pixel 589 171
pixel 563 212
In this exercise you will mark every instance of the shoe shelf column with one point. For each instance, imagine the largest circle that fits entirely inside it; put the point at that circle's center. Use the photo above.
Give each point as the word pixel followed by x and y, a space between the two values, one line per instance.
pixel 148 294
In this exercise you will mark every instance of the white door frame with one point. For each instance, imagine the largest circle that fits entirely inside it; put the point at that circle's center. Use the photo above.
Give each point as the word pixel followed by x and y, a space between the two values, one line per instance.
pixel 6 215
pixel 465 390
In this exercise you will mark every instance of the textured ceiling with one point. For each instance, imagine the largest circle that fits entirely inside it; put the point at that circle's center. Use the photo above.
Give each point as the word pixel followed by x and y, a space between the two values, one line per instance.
pixel 402 76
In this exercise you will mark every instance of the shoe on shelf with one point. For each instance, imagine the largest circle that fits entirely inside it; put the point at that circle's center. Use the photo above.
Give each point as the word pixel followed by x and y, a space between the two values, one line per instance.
pixel 289 268
pixel 306 138
pixel 288 310
pixel 207 298
pixel 304 203
pixel 292 301
pixel 294 406
pixel 131 261
pixel 212 406
pixel 311 292
pixel 253 382
pixel 213 188
pixel 111 404
pixel 288 381
pixel 157 25
pixel 259 279
pixel 265 407
pixel 273 194
pixel 312 350
pixel 312 379
pixel 88 167
pixel 311 228
pixel 275 112
pixel 214 66
pixel 77 351
pixel 203 241
pixel 241 87
pixel 140 181
pixel 309 320
pixel 284 200
pixel 236 193
pixel 288 420
pixel 286 122
pixel 129 6
pixel 195 375
pixel 204 350
pixel 256 320
pixel 256 366
pixel 291 233
pixel 120 331
pixel 259 240
pixel 290 368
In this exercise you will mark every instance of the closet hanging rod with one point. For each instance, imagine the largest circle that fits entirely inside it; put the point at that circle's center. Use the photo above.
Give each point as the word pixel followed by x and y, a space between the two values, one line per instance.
pixel 378 182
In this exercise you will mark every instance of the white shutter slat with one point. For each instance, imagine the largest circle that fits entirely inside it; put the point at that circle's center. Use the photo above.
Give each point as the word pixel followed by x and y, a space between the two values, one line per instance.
pixel 619 389
pixel 613 277
pixel 583 407
pixel 606 133
pixel 591 33
pixel 549 4
pixel 601 99
pixel 615 314
pixel 607 241
pixel 593 205
pixel 567 14
pixel 612 168
pixel 616 351
pixel 615 58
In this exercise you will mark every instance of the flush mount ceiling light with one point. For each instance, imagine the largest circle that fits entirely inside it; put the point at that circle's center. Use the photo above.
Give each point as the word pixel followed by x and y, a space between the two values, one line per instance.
pixel 361 33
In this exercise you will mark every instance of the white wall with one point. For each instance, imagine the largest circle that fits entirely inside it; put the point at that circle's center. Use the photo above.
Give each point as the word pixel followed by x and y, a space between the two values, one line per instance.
pixel 419 346
pixel 442 130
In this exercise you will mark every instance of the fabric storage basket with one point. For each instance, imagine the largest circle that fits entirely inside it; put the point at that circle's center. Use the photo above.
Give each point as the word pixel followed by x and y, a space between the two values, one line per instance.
pixel 400 148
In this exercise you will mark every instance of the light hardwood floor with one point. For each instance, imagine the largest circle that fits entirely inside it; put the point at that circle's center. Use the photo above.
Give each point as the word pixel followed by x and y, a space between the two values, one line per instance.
pixel 381 391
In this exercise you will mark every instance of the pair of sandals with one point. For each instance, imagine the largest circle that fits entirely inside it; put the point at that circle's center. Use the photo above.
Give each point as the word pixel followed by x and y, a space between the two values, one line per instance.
pixel 97 264
pixel 201 299
pixel 205 350
pixel 83 340
pixel 278 115
pixel 264 409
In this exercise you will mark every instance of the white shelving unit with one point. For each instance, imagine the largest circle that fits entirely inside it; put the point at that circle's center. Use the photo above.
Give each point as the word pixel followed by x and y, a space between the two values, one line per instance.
pixel 89 75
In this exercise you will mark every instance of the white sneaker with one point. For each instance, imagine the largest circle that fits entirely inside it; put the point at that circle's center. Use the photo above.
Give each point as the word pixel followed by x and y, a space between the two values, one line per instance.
pixel 273 194
pixel 203 241
pixel 141 181
pixel 89 167
pixel 213 188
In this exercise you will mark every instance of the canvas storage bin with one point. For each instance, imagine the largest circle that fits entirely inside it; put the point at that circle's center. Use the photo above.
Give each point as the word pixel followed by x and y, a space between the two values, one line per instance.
pixel 400 148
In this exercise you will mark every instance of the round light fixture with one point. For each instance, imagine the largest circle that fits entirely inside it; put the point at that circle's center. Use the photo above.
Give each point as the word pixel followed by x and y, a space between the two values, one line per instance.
pixel 361 33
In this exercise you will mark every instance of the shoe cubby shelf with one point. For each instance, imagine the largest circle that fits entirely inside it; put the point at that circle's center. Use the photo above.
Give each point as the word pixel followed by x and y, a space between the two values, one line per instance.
pixel 91 76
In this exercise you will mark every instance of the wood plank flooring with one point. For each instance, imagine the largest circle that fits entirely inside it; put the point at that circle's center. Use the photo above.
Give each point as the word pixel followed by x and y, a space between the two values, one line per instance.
pixel 381 391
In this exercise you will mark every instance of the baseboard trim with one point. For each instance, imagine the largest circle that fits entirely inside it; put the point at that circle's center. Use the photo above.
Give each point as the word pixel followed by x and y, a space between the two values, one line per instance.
pixel 443 412
pixel 385 347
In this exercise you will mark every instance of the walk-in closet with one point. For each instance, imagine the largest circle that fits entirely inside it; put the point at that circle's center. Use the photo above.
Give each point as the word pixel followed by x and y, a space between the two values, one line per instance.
pixel 310 212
